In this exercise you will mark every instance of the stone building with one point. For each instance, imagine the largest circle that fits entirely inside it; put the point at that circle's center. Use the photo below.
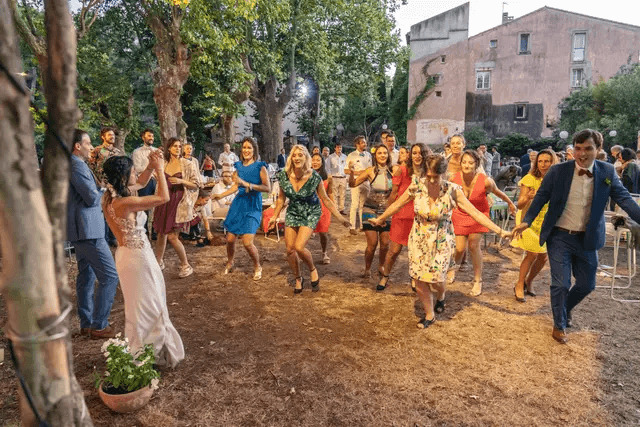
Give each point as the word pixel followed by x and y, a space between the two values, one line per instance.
pixel 513 77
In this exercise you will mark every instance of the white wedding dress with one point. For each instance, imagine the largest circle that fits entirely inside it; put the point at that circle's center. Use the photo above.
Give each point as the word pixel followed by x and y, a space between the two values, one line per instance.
pixel 145 298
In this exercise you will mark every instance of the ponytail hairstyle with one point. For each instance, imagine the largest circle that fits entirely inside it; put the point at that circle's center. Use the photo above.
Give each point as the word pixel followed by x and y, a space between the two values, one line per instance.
pixel 117 170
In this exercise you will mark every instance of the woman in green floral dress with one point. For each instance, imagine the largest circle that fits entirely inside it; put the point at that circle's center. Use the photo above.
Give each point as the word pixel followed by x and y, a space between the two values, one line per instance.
pixel 432 241
pixel 303 187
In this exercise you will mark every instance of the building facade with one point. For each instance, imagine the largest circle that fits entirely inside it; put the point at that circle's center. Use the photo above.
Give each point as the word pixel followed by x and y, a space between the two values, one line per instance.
pixel 513 77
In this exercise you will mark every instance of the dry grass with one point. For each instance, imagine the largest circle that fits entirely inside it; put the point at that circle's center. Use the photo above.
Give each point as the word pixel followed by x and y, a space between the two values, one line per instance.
pixel 257 355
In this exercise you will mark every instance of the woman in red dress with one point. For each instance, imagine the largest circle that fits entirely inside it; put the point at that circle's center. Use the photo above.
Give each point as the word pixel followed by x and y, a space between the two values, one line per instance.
pixel 317 163
pixel 402 221
pixel 476 186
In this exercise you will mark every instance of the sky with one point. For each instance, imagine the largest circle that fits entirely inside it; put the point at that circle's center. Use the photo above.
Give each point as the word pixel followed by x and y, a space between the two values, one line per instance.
pixel 486 14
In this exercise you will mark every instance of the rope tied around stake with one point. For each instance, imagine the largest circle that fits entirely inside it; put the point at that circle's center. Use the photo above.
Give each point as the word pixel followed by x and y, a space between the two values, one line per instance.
pixel 42 336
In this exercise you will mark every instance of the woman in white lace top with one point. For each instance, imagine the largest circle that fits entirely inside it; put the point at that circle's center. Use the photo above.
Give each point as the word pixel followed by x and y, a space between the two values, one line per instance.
pixel 145 301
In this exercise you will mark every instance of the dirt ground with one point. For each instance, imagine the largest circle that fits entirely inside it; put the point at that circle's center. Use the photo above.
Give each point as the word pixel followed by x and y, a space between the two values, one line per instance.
pixel 347 355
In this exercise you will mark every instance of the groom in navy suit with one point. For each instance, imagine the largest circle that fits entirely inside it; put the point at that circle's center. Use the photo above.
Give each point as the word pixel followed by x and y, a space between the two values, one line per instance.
pixel 85 231
pixel 577 192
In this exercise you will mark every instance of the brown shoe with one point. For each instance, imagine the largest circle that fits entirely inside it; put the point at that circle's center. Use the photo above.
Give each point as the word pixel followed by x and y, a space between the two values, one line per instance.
pixel 85 332
pixel 559 335
pixel 353 231
pixel 99 334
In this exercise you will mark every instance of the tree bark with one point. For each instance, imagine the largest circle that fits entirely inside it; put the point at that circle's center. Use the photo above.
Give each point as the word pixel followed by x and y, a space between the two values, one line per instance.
pixel 28 280
pixel 171 72
pixel 228 130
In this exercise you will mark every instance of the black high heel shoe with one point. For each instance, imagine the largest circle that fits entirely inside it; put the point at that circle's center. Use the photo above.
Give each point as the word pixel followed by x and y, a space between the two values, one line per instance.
pixel 519 299
pixel 380 286
pixel 315 284
pixel 299 290
pixel 439 306
pixel 528 291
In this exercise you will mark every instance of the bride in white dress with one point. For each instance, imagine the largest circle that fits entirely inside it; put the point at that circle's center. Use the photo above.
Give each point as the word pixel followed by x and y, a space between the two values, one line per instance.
pixel 145 300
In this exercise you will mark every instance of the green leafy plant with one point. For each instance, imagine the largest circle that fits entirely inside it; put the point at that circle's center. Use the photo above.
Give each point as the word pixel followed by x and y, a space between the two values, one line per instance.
pixel 125 371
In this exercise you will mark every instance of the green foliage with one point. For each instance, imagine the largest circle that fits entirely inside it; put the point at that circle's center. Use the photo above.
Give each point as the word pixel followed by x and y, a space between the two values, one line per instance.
pixel 476 136
pixel 399 97
pixel 127 372
pixel 514 144
pixel 610 105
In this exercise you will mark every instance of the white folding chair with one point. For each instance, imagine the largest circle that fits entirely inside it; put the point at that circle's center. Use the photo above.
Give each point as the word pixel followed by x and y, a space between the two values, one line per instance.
pixel 617 235
pixel 279 221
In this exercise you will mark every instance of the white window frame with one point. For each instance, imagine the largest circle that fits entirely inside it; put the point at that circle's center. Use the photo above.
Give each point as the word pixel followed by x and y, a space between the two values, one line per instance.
pixel 575 84
pixel 578 38
pixel 524 111
pixel 485 75
pixel 493 43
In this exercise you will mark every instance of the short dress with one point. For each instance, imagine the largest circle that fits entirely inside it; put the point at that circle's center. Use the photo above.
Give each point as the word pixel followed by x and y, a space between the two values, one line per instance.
pixel 164 216
pixel 402 221
pixel 463 224
pixel 325 218
pixel 304 208
pixel 530 238
pixel 432 241
pixel 376 202
pixel 245 212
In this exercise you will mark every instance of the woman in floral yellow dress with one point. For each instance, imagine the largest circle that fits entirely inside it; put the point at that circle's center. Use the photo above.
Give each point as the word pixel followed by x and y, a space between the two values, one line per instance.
pixel 432 241
pixel 535 255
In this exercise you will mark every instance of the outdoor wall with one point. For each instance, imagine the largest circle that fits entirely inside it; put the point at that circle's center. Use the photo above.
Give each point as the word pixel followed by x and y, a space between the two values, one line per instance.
pixel 438 32
pixel 538 80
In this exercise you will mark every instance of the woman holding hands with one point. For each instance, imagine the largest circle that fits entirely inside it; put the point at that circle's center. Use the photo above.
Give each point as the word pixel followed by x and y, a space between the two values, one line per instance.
pixel 304 189
pixel 432 241
pixel 250 179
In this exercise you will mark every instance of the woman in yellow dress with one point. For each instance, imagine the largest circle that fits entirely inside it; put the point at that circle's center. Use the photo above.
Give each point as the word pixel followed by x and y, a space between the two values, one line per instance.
pixel 535 255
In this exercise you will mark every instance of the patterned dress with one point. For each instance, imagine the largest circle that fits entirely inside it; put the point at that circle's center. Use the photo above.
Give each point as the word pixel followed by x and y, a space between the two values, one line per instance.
pixel 431 242
pixel 304 205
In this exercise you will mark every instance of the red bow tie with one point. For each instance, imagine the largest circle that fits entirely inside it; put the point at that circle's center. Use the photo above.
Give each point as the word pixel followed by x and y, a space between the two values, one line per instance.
pixel 585 171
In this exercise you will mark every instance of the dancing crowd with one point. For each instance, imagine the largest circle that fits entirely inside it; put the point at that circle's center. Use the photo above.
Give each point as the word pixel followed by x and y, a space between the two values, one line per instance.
pixel 435 204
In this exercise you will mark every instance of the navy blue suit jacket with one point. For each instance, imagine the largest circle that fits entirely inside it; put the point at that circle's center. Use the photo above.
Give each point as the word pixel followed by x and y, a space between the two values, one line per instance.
pixel 555 190
pixel 84 213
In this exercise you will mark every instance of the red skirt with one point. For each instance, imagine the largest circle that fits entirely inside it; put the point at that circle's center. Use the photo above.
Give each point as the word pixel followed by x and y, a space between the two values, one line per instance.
pixel 400 230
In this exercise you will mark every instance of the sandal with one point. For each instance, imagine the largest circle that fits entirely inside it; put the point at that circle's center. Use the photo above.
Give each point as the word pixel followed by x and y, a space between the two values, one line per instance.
pixel 298 290
pixel 528 290
pixel 477 289
pixel 315 284
pixel 161 264
pixel 519 299
pixel 325 258
pixel 380 286
pixel 185 271
pixel 439 306
pixel 413 286
pixel 257 275
pixel 228 268
pixel 424 323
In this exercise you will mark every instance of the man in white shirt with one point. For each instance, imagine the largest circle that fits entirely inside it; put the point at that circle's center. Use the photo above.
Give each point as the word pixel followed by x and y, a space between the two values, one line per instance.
pixel 390 142
pixel 227 158
pixel 486 159
pixel 140 157
pixel 574 228
pixel 358 161
pixel 335 165
pixel 220 207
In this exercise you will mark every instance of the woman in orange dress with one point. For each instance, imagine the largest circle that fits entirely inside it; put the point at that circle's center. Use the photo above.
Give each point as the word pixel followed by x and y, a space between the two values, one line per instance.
pixel 317 164
pixel 476 186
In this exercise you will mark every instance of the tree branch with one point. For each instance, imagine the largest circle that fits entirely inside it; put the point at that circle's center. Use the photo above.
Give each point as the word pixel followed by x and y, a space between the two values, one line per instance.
pixel 35 42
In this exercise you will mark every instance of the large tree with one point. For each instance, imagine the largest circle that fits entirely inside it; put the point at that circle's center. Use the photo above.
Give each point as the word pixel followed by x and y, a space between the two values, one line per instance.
pixel 33 216
pixel 341 44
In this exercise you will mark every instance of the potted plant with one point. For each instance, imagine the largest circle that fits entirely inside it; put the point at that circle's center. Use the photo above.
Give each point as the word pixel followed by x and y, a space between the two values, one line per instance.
pixel 130 379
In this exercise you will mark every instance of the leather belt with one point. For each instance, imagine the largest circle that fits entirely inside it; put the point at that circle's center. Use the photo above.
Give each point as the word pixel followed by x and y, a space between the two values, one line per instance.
pixel 570 231
pixel 338 176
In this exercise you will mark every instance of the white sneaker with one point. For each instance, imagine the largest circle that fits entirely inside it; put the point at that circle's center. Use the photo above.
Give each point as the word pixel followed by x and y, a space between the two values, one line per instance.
pixel 185 271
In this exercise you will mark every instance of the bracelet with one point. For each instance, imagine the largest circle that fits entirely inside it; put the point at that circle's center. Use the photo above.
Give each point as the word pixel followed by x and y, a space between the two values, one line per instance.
pixel 250 187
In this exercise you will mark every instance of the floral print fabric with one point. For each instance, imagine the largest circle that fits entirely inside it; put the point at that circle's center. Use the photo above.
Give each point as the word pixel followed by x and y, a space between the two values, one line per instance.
pixel 431 241
pixel 304 205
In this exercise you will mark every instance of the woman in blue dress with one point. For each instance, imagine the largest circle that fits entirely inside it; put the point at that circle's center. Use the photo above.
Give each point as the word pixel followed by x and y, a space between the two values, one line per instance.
pixel 304 189
pixel 250 179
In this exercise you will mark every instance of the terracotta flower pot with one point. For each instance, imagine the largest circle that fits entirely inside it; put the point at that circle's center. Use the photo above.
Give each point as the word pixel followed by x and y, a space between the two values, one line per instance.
pixel 127 402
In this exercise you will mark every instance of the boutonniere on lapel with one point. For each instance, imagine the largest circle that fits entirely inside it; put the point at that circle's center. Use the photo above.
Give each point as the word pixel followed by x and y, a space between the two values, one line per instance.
pixel 607 181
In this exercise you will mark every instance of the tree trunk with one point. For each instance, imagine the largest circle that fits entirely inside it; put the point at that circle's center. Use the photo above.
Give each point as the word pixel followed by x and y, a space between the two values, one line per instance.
pixel 170 75
pixel 271 130
pixel 228 129
pixel 27 235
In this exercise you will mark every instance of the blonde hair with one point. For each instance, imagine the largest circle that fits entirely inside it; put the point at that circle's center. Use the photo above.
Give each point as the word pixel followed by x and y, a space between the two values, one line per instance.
pixel 307 159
